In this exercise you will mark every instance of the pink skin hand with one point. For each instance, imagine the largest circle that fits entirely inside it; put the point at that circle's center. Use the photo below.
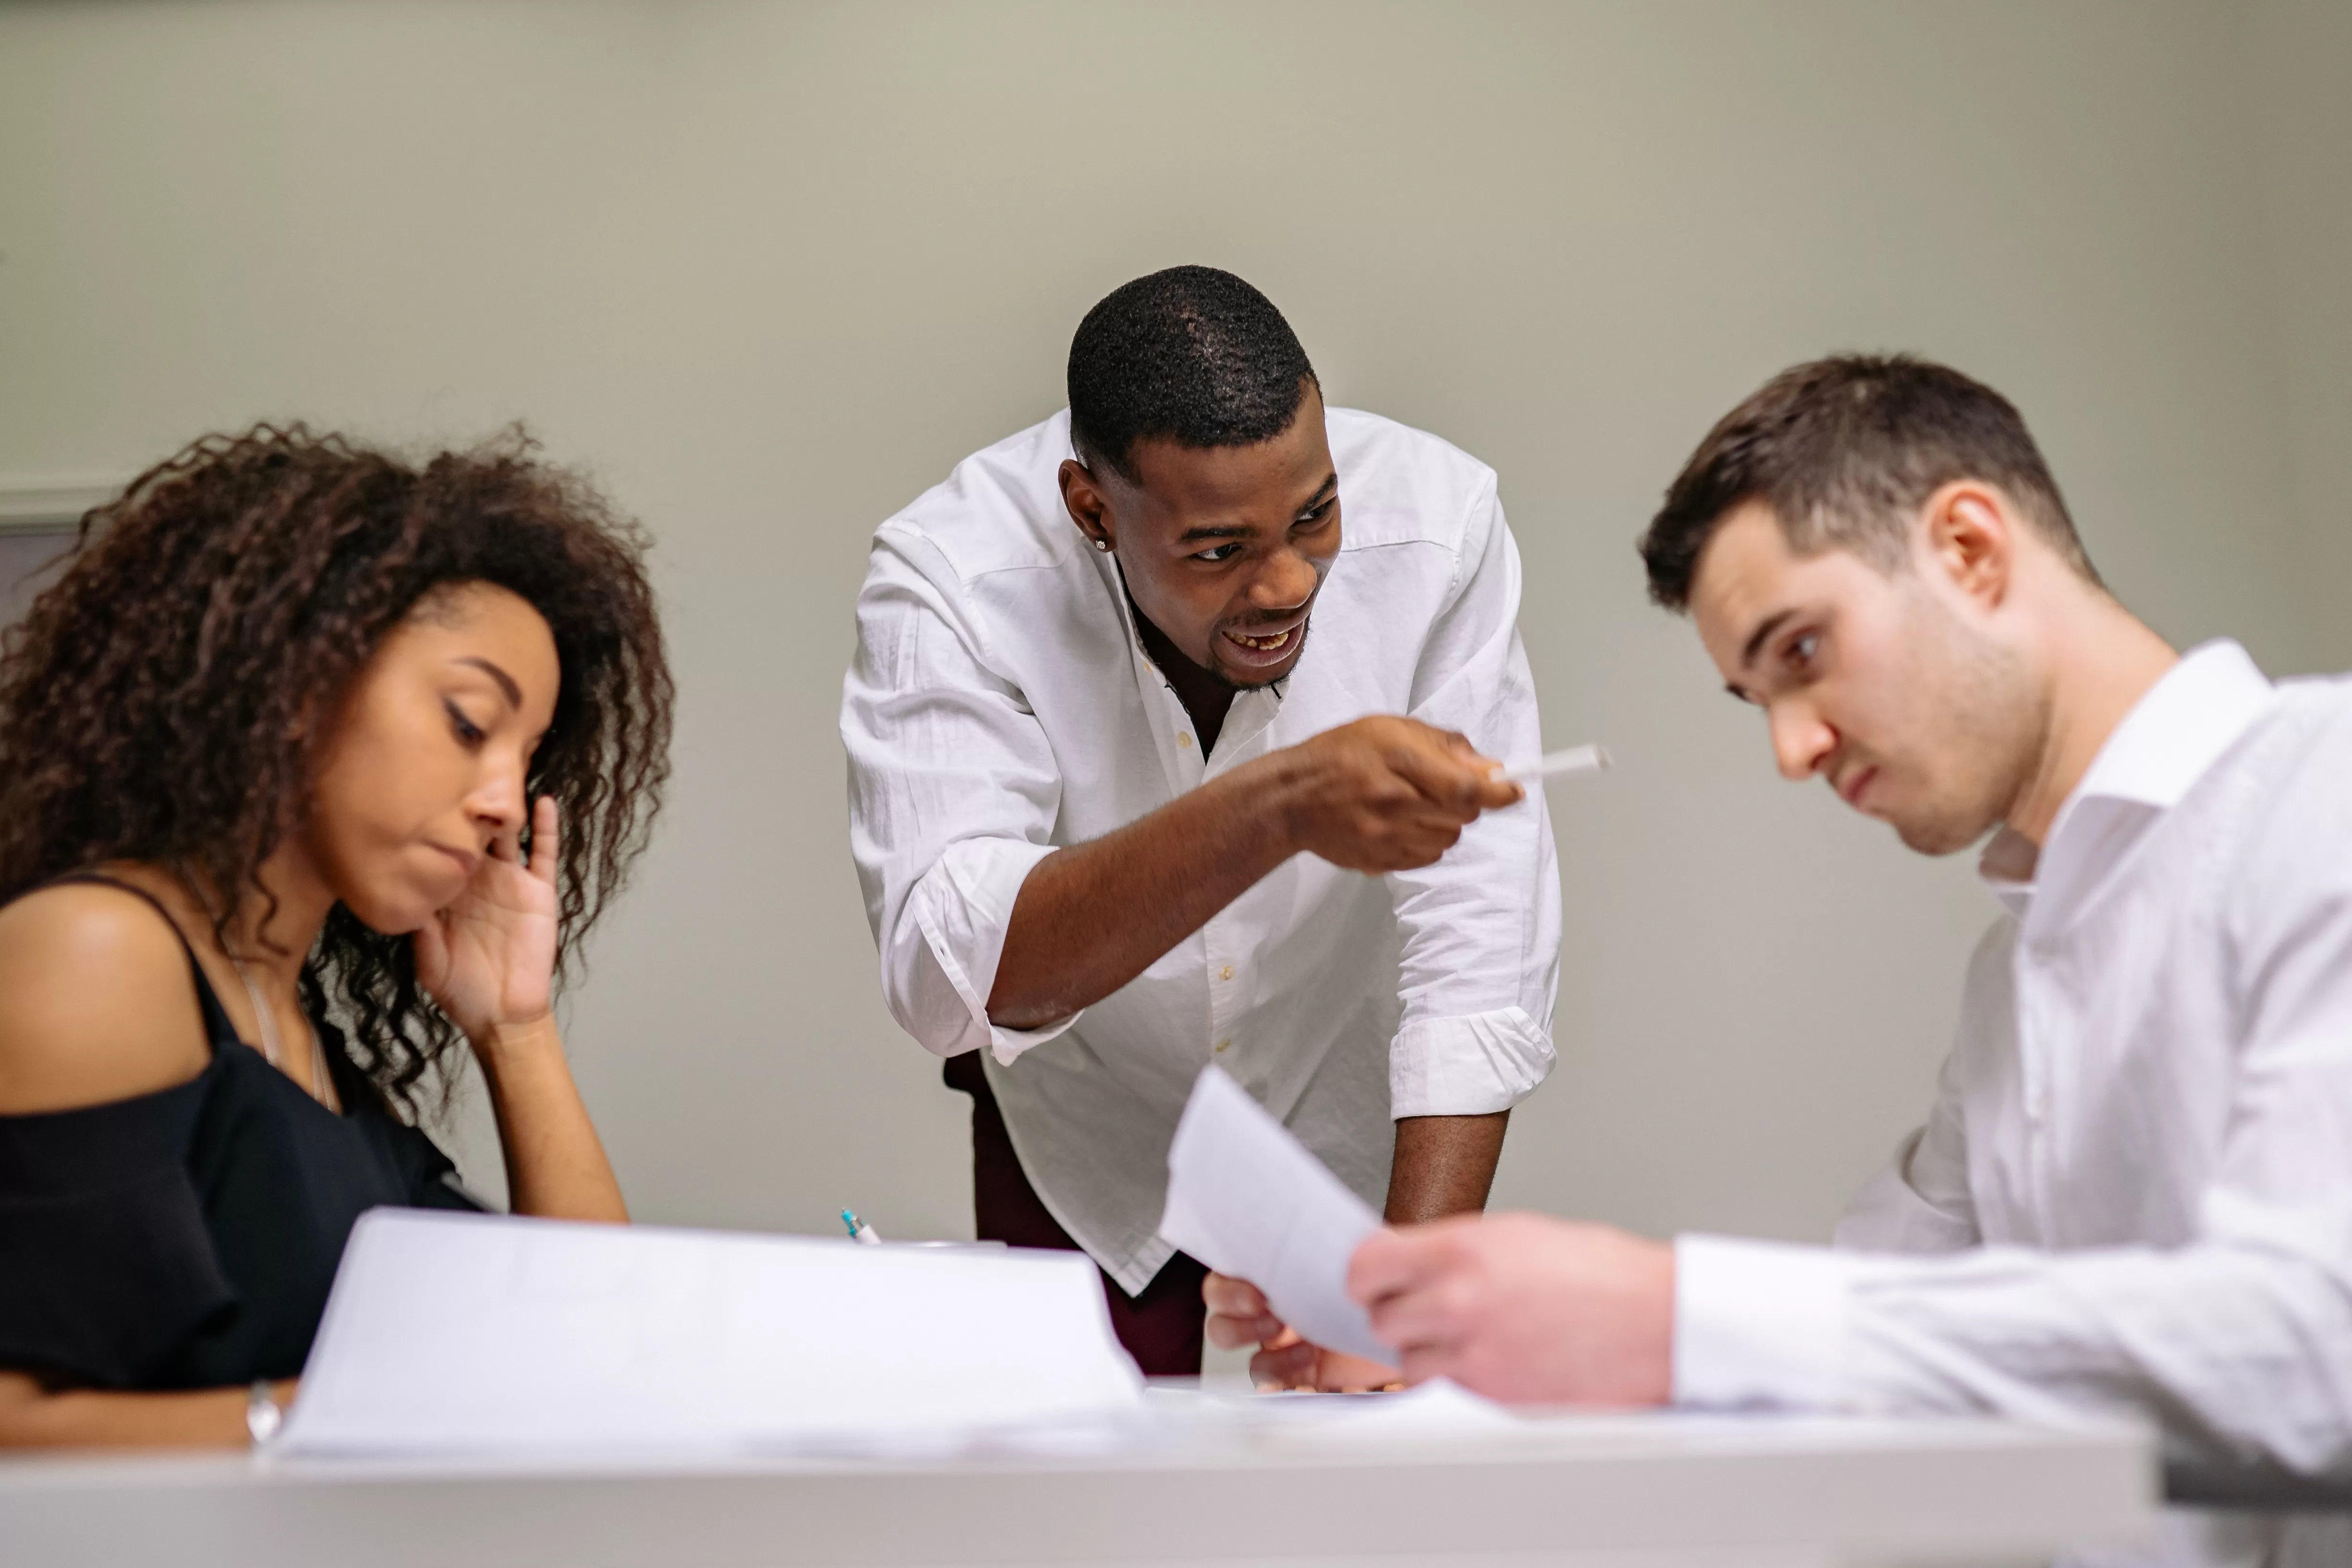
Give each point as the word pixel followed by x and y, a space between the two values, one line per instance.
pixel 1524 1308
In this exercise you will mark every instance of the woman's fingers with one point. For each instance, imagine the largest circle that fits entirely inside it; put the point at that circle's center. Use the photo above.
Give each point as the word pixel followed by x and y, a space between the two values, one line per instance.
pixel 544 842
pixel 432 952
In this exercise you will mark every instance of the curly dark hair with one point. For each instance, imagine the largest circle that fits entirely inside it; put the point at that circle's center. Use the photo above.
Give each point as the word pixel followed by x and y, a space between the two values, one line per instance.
pixel 155 705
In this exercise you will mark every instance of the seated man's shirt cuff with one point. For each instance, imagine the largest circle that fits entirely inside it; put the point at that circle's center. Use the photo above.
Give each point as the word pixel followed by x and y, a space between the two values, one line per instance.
pixel 1759 1324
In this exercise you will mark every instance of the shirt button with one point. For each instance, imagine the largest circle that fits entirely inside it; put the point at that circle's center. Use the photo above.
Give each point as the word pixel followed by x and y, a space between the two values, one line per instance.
pixel 1182 739
pixel 1221 1046
pixel 1226 973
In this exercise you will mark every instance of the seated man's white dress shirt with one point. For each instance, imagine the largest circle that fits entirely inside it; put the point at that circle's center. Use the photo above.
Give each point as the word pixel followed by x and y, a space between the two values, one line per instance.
pixel 2136 1180
pixel 1001 705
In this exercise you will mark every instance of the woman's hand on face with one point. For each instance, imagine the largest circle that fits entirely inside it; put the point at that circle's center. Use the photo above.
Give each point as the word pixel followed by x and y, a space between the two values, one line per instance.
pixel 489 958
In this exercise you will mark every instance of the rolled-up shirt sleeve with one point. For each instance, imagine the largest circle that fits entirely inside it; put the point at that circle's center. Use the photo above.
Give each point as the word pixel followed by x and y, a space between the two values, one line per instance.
pixel 1480 928
pixel 953 792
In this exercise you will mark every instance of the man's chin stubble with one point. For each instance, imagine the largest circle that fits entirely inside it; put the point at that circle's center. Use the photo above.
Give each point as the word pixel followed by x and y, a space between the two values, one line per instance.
pixel 1933 839
pixel 1945 834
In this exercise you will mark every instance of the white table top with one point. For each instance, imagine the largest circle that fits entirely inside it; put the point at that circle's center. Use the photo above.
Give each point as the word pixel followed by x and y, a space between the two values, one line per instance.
pixel 1257 1487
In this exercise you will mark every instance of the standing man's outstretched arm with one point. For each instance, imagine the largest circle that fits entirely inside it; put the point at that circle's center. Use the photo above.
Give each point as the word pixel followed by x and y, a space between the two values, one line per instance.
pixel 1378 795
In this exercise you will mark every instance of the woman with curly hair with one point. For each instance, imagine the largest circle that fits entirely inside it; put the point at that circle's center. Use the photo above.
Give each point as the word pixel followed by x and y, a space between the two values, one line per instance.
pixel 312 764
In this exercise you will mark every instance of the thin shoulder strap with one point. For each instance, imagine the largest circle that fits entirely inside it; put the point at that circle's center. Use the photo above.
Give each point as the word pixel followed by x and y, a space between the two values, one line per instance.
pixel 218 1029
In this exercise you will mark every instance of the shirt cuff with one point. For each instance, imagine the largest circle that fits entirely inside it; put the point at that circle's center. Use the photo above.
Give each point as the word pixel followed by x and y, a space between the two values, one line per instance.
pixel 1473 1065
pixel 964 906
pixel 1759 1324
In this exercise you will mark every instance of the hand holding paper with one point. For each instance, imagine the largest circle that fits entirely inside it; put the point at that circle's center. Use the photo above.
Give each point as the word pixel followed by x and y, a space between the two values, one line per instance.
pixel 1240 1318
pixel 1247 1200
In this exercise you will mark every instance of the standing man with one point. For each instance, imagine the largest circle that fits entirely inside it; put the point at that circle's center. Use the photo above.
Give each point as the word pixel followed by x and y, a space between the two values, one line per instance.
pixel 2133 1194
pixel 1154 763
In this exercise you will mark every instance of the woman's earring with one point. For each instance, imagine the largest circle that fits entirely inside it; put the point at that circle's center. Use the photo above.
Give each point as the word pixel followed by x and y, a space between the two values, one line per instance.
pixel 1102 544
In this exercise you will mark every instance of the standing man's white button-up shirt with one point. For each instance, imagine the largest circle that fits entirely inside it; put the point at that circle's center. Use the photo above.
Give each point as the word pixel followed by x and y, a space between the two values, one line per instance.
pixel 2138 1170
pixel 1001 707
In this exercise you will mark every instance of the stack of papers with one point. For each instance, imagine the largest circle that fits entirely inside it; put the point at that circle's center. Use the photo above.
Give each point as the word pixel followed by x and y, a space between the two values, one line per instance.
pixel 481 1335
pixel 457 1333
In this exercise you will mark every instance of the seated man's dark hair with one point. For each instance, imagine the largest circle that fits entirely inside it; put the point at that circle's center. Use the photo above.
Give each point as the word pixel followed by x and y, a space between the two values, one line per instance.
pixel 1844 451
pixel 1190 355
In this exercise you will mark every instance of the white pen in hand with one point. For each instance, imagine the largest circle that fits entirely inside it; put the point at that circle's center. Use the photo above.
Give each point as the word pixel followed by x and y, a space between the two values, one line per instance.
pixel 1575 760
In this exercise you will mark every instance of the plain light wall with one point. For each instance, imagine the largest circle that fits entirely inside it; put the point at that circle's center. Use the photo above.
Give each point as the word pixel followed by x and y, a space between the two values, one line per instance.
pixel 770 271
pixel 2301 56
pixel 26 562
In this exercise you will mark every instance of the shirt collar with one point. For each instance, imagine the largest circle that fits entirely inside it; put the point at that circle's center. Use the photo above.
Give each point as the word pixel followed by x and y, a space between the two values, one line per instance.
pixel 2172 738
pixel 2174 734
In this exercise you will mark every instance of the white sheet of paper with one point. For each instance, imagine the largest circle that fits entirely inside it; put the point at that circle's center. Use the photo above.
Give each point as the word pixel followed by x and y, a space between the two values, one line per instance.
pixel 1247 1200
pixel 1553 764
pixel 457 1334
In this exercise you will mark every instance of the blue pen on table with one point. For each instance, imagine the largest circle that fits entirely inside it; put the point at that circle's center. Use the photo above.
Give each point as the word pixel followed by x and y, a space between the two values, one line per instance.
pixel 859 1230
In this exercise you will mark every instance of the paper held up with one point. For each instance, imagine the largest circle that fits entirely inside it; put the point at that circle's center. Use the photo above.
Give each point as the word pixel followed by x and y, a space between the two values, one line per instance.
pixel 451 1334
pixel 1557 764
pixel 1247 1200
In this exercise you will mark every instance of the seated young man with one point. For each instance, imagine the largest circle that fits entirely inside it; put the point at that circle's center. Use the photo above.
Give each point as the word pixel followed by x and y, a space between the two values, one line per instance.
pixel 2133 1194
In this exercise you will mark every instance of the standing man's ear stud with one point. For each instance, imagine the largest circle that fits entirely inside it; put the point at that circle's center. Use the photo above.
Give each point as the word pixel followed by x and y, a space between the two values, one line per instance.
pixel 1102 544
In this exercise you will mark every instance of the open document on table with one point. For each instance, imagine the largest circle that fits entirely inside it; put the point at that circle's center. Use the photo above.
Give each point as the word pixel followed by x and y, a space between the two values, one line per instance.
pixel 453 1334
pixel 450 1334
pixel 1249 1199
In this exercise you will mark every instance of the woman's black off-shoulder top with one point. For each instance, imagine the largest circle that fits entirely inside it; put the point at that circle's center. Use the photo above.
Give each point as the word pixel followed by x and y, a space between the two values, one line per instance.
pixel 186 1239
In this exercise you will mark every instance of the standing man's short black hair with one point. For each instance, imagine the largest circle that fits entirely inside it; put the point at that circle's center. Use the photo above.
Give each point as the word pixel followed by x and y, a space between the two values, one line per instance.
pixel 1845 450
pixel 1190 355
